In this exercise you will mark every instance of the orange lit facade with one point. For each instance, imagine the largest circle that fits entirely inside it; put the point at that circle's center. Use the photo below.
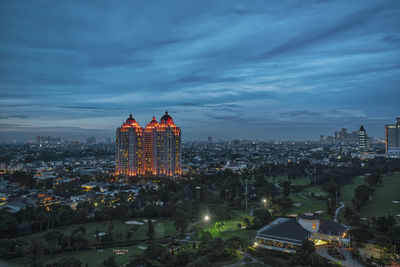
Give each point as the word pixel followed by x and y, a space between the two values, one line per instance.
pixel 151 151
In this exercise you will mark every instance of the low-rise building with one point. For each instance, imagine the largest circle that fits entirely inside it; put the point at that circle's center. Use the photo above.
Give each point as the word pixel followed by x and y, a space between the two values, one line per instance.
pixel 286 234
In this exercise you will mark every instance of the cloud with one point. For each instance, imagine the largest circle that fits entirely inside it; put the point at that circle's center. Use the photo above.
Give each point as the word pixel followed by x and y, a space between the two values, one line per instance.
pixel 211 64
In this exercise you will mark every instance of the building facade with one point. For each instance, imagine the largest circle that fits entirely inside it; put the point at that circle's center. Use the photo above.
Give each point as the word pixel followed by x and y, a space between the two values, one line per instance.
pixel 151 151
pixel 392 139
pixel 287 234
pixel 362 140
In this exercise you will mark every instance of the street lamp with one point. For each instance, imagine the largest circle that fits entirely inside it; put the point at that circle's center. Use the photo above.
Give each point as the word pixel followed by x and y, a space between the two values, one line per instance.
pixel 265 203
pixel 206 218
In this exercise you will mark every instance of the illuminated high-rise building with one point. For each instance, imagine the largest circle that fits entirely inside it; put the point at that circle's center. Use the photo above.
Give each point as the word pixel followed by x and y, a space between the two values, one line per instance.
pixel 128 147
pixel 362 139
pixel 392 139
pixel 151 151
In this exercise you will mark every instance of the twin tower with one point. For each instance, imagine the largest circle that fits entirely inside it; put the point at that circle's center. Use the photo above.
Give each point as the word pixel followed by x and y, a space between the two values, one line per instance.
pixel 151 151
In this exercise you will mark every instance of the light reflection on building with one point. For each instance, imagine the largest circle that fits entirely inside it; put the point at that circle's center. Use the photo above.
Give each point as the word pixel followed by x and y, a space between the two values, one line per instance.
pixel 151 151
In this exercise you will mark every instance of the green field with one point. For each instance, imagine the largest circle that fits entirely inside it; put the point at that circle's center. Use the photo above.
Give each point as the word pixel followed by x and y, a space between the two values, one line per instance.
pixel 297 181
pixel 347 191
pixel 317 190
pixel 308 205
pixel 381 204
pixel 163 228
pixel 92 257
pixel 231 229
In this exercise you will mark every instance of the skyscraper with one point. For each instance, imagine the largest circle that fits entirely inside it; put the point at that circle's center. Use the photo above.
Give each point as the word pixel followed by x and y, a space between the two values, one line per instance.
pixel 151 151
pixel 362 139
pixel 392 138
pixel 129 141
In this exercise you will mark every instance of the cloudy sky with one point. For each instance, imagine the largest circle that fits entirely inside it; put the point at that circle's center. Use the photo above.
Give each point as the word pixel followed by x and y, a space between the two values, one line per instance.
pixel 229 69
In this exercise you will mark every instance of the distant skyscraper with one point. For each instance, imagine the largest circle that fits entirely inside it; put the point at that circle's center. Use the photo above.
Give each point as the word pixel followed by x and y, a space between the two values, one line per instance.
pixel 392 138
pixel 322 139
pixel 344 138
pixel 362 139
pixel 151 151
pixel 210 139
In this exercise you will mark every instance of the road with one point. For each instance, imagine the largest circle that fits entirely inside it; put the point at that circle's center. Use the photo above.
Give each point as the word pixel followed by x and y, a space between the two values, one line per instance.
pixel 337 211
pixel 349 262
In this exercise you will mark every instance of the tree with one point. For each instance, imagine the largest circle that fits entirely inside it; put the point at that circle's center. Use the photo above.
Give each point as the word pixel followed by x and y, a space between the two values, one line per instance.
pixel 110 262
pixel 181 221
pixel 35 251
pixel 108 238
pixel 65 242
pixel 200 262
pixel 66 262
pixel 303 255
pixel 128 235
pixel 247 222
pixel 236 242
pixel 157 252
pixel 261 217
pixel 8 225
pixel 219 226
pixel 361 196
pixel 150 231
pixel 204 240
pixel 216 246
pixel 286 189
pixel 7 247
pixel 97 234
pixel 374 178
pixel 53 239
pixel 78 239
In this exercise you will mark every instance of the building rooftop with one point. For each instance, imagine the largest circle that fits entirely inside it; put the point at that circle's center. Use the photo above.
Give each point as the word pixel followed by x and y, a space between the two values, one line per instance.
pixel 285 229
pixel 331 228
pixel 308 216
pixel 290 230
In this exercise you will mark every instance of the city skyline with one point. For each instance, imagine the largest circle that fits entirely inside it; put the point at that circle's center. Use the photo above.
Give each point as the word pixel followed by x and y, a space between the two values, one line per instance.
pixel 228 71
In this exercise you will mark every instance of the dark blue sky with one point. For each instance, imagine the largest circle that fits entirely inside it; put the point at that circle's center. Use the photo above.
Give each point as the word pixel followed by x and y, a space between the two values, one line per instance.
pixel 229 69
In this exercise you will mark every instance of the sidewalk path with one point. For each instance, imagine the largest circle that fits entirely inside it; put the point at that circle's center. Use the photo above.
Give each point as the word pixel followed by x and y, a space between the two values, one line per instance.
pixel 349 262
pixel 243 261
pixel 337 211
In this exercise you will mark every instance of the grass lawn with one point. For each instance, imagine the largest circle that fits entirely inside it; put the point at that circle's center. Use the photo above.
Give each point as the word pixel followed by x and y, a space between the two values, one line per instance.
pixel 297 181
pixel 317 190
pixel 347 191
pixel 381 204
pixel 91 256
pixel 308 205
pixel 231 229
pixel 163 227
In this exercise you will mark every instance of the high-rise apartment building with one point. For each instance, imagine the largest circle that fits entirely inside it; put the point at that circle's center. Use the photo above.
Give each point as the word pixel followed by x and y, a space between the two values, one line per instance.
pixel 392 138
pixel 362 139
pixel 151 151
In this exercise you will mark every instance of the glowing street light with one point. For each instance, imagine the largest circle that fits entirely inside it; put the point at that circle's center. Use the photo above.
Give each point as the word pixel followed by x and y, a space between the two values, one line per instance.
pixel 265 202
pixel 206 218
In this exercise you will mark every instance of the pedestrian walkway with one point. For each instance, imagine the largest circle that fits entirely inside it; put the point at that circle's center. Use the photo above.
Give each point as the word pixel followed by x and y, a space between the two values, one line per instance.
pixel 337 211
pixel 243 261
pixel 349 262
